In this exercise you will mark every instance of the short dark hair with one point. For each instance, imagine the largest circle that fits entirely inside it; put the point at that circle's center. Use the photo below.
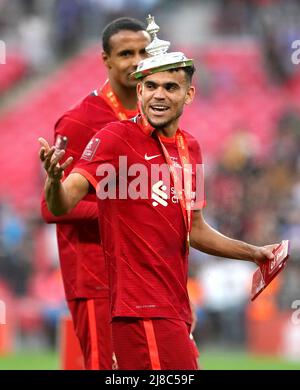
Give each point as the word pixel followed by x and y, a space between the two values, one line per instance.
pixel 188 70
pixel 117 25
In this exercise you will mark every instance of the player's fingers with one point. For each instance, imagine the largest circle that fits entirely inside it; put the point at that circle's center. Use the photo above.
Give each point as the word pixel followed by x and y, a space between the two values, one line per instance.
pixel 269 251
pixel 42 154
pixel 273 247
pixel 48 157
pixel 263 254
pixel 57 156
pixel 55 171
pixel 269 254
pixel 67 163
pixel 44 143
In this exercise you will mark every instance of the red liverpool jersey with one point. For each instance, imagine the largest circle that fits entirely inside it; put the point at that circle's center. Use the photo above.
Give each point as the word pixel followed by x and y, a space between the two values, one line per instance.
pixel 81 257
pixel 144 237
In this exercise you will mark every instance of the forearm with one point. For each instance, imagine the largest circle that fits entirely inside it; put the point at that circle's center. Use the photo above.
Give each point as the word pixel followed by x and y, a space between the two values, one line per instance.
pixel 210 241
pixel 84 211
pixel 56 197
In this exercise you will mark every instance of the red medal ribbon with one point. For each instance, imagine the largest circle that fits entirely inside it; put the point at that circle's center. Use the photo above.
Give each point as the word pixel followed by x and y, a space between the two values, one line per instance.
pixel 184 194
pixel 185 197
pixel 112 100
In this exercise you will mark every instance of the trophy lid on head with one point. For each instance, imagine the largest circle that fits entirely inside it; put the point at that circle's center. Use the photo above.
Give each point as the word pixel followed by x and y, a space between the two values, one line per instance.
pixel 159 60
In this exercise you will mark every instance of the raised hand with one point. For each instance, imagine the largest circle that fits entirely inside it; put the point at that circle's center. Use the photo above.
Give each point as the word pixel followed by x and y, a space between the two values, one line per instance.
pixel 50 157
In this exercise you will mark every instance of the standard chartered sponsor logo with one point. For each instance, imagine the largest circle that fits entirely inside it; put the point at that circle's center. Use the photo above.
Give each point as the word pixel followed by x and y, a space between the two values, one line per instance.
pixel 158 194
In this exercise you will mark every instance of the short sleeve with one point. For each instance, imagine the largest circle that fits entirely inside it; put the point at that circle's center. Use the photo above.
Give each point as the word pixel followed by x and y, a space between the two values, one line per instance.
pixel 101 155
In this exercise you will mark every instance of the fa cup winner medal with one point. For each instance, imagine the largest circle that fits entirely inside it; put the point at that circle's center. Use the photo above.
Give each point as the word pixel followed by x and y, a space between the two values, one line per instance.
pixel 183 196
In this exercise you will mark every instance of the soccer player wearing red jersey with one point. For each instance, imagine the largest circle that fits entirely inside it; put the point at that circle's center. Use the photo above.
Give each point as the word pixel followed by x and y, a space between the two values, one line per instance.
pixel 145 232
pixel 81 257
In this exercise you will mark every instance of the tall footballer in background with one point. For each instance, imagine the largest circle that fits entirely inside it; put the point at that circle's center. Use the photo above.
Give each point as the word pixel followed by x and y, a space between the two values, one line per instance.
pixel 81 257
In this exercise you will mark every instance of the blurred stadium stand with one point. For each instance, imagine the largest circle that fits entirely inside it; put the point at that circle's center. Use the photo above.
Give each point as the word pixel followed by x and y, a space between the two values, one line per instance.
pixel 13 71
pixel 35 116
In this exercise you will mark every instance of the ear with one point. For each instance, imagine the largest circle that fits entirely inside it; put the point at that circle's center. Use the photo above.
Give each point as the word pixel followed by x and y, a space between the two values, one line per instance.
pixel 106 59
pixel 189 97
pixel 139 90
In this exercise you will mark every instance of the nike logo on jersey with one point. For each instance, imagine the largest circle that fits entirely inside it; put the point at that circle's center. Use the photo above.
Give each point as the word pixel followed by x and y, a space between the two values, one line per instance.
pixel 147 158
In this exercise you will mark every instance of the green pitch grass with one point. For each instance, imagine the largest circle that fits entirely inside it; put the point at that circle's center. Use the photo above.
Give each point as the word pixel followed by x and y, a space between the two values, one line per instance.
pixel 30 361
pixel 241 361
pixel 210 360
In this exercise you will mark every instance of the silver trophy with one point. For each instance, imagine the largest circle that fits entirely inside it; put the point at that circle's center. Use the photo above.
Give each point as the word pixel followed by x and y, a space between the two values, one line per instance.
pixel 157 46
pixel 159 59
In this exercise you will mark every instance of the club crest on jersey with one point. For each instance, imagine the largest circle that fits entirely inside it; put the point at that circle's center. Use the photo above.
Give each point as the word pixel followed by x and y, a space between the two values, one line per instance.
pixel 91 149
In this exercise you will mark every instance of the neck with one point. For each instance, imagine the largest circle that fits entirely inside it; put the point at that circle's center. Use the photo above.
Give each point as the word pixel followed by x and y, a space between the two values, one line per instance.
pixel 127 96
pixel 168 131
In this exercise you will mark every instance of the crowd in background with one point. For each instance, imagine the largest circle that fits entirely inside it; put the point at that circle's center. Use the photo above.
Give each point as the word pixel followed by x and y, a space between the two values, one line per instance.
pixel 46 32
pixel 256 200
